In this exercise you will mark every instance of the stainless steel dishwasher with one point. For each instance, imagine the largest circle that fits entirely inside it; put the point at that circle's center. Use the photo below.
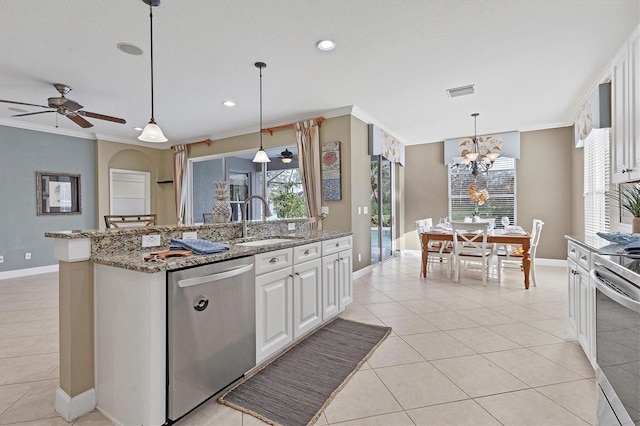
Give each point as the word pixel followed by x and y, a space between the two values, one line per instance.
pixel 211 331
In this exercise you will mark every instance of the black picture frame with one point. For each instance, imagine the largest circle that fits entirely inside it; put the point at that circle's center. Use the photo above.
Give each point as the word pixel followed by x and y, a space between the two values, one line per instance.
pixel 58 193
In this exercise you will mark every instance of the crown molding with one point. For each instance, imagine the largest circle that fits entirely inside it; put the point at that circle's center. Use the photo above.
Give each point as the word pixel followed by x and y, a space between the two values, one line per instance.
pixel 363 116
pixel 47 129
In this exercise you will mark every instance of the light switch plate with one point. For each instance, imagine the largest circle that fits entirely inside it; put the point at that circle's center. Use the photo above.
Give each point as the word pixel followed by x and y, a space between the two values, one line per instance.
pixel 359 210
pixel 325 210
pixel 190 235
pixel 291 226
pixel 366 210
pixel 151 240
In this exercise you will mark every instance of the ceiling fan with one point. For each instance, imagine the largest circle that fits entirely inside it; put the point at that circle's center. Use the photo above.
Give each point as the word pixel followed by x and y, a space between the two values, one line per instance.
pixel 286 156
pixel 67 107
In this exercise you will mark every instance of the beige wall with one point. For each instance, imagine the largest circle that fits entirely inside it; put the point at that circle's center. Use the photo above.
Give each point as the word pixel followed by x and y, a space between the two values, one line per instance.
pixel 426 193
pixel 547 180
pixel 129 157
pixel 360 165
pixel 544 185
pixel 577 191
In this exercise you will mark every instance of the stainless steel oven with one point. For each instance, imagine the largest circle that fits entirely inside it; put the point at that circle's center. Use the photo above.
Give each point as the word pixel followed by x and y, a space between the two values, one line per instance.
pixel 617 321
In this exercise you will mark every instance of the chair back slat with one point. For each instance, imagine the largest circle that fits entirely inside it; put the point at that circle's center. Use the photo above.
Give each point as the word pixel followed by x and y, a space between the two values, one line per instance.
pixel 130 220
pixel 470 237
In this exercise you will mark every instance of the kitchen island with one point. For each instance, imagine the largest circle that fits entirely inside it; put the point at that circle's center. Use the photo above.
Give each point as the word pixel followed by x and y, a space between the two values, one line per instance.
pixel 128 327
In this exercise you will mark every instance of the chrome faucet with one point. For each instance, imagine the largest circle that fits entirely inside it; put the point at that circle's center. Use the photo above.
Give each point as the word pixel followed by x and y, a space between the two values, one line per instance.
pixel 265 212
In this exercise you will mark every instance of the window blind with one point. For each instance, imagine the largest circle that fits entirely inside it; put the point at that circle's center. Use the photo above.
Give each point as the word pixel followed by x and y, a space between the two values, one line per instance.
pixel 596 182
pixel 500 182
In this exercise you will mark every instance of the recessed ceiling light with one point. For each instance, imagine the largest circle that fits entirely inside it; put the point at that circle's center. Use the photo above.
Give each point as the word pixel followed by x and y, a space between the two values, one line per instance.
pixel 129 49
pixel 139 129
pixel 325 45
pixel 14 109
pixel 229 103
pixel 461 91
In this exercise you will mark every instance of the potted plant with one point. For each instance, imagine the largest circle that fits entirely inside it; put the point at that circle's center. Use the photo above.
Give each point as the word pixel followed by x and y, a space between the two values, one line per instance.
pixel 628 198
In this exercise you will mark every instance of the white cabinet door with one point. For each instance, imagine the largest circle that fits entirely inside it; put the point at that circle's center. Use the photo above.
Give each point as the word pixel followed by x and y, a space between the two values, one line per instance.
pixel 330 288
pixel 274 328
pixel 582 310
pixel 345 262
pixel 622 158
pixel 307 297
pixel 572 291
pixel 634 95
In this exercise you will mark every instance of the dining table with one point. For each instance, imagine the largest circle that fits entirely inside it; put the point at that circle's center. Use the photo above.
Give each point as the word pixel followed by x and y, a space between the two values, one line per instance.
pixel 496 236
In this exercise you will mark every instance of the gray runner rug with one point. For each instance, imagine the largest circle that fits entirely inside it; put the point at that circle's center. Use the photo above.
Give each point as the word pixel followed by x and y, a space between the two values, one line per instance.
pixel 294 388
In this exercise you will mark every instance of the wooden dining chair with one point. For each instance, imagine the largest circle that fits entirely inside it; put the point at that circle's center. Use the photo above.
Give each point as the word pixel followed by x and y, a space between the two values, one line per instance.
pixel 129 220
pixel 470 244
pixel 441 248
pixel 514 254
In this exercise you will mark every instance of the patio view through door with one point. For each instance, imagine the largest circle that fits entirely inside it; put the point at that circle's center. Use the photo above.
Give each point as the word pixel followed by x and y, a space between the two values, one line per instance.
pixel 381 209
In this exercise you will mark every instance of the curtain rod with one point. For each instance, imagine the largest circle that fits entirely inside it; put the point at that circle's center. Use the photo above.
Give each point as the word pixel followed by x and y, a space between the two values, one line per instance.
pixel 207 141
pixel 270 130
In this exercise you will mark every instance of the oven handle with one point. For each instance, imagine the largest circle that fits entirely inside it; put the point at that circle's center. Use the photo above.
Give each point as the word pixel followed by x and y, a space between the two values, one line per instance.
pixel 614 295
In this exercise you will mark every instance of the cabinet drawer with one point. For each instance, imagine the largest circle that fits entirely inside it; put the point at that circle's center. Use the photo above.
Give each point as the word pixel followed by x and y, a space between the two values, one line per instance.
pixel 580 254
pixel 273 260
pixel 335 245
pixel 306 252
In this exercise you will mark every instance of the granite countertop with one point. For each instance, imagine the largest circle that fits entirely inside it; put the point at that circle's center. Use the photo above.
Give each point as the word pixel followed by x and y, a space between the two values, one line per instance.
pixel 135 260
pixel 597 244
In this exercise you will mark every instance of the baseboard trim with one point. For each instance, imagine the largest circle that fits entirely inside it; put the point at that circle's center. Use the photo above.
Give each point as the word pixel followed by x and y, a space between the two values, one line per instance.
pixel 109 416
pixel 28 271
pixel 551 262
pixel 362 272
pixel 70 408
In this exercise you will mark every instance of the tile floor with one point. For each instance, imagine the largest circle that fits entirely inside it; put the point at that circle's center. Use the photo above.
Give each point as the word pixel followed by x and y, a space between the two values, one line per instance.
pixel 459 354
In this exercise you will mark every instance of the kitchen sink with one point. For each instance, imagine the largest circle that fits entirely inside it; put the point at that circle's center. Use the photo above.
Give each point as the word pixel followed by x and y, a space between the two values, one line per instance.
pixel 265 242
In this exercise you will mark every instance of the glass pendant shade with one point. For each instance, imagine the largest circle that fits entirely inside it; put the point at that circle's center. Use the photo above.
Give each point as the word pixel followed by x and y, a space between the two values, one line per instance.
pixel 287 160
pixel 152 133
pixel 261 157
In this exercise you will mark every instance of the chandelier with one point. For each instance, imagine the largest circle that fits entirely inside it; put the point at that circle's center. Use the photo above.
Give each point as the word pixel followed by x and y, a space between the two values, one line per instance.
pixel 473 160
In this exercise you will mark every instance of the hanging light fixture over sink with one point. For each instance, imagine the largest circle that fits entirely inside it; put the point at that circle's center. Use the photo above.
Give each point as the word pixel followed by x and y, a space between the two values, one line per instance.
pixel 152 132
pixel 261 155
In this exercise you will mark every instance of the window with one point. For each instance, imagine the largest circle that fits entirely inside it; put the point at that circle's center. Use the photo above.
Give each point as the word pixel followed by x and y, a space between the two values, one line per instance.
pixel 280 183
pixel 285 191
pixel 596 182
pixel 500 181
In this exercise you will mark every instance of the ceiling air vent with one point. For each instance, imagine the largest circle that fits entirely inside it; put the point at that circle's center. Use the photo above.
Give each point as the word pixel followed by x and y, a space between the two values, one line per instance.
pixel 461 91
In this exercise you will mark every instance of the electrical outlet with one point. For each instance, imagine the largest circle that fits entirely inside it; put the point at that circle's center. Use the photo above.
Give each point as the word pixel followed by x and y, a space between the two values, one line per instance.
pixel 291 226
pixel 151 240
pixel 366 210
pixel 27 256
pixel 1 259
pixel 190 235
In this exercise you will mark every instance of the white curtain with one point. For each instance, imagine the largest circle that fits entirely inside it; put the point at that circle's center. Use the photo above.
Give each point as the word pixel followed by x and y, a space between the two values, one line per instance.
pixel 308 137
pixel 179 181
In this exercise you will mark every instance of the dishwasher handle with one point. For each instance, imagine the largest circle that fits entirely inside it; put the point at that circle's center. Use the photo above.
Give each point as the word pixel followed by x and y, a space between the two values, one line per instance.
pixel 215 277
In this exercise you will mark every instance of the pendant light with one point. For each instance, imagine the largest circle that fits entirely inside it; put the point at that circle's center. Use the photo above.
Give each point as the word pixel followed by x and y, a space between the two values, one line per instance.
pixel 261 155
pixel 152 132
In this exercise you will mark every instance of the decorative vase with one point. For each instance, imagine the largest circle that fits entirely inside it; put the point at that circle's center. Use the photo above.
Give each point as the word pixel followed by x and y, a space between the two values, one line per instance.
pixel 221 208
pixel 635 225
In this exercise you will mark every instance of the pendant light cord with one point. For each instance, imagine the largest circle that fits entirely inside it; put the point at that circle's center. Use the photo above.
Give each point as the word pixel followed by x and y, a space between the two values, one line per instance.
pixel 261 107
pixel 151 31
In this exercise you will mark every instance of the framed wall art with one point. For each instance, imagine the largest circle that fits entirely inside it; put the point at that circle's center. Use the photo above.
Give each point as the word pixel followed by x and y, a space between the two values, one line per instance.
pixel 58 193
pixel 331 186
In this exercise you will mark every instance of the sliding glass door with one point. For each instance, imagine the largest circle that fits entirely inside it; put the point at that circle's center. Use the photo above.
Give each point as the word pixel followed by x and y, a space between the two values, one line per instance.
pixel 381 209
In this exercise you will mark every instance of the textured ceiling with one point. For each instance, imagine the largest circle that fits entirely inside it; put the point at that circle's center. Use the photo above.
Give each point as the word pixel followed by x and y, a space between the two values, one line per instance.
pixel 532 61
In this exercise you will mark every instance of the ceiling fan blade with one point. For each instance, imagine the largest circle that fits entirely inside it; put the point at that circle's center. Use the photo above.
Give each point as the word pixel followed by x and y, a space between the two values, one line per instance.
pixel 31 113
pixel 23 103
pixel 79 120
pixel 102 117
